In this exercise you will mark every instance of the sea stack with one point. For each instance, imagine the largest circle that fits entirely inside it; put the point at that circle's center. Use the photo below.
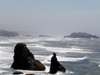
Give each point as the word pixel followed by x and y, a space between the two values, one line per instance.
pixel 24 59
pixel 55 65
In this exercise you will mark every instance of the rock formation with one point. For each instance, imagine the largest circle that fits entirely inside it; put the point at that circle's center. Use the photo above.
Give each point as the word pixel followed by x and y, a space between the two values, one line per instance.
pixel 24 59
pixel 55 65
pixel 81 35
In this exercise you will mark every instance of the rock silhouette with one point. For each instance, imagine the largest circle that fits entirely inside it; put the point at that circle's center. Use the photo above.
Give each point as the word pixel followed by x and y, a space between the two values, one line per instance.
pixel 24 59
pixel 55 65
pixel 82 35
pixel 17 72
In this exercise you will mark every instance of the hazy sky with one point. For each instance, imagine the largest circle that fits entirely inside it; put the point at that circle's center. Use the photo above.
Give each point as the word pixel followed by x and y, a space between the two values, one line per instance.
pixel 50 16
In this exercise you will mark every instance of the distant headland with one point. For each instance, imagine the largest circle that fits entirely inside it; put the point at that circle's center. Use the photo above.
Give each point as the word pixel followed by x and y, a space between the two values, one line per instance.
pixel 81 35
pixel 5 33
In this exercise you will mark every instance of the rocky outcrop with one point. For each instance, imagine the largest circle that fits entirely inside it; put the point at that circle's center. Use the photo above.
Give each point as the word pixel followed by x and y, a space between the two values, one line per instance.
pixel 81 35
pixel 55 65
pixel 24 59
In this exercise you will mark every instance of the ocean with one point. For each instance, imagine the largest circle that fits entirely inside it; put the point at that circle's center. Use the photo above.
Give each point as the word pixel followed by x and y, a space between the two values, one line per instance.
pixel 79 56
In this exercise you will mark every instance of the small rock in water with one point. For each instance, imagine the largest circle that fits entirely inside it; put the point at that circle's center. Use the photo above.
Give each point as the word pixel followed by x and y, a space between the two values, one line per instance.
pixel 29 74
pixel 55 65
pixel 18 72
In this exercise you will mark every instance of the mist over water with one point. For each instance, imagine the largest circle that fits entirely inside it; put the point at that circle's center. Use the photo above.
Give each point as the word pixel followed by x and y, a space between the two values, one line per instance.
pixel 78 56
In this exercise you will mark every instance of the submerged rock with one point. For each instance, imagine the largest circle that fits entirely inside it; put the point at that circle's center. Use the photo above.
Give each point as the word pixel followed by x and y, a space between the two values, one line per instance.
pixel 24 59
pixel 29 74
pixel 18 72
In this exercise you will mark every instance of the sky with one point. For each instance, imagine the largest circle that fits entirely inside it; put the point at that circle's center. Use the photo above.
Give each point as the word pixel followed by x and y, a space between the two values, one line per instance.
pixel 57 17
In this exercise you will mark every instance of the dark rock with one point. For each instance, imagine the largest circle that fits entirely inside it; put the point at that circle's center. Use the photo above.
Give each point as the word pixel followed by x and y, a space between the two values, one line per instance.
pixel 18 72
pixel 24 59
pixel 55 65
pixel 29 74
pixel 81 35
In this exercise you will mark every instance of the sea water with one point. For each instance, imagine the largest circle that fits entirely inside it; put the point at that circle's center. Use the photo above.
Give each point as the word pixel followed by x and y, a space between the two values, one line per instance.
pixel 78 56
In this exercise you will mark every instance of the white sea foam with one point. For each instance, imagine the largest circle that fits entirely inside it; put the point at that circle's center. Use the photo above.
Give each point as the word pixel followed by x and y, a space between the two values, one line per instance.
pixel 4 54
pixel 17 40
pixel 47 59
pixel 63 50
pixel 22 40
pixel 4 42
